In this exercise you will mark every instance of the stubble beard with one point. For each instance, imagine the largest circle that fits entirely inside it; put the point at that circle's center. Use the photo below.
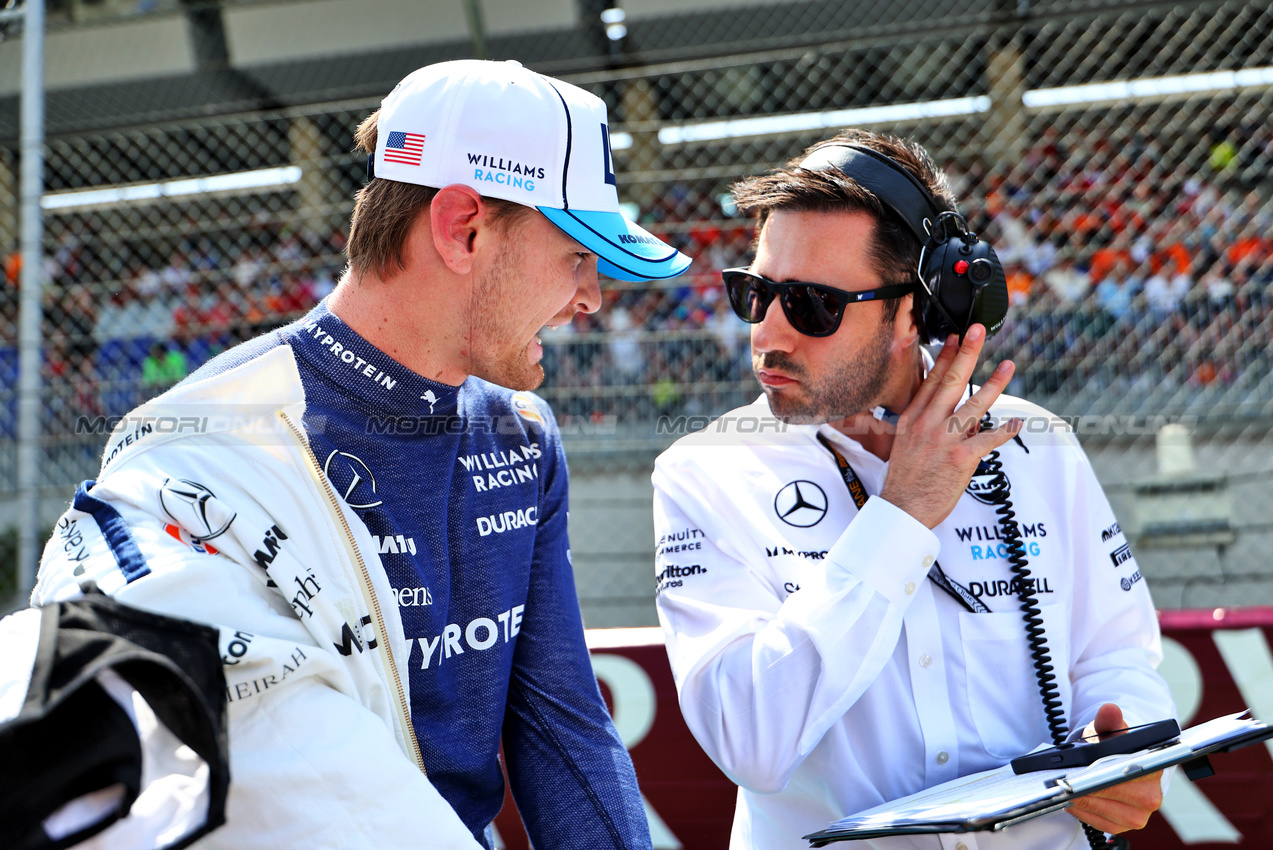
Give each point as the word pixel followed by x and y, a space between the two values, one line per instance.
pixel 853 386
pixel 495 323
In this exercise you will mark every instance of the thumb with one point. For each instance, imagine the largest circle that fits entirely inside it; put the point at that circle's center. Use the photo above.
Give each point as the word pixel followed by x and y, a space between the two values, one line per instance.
pixel 1109 720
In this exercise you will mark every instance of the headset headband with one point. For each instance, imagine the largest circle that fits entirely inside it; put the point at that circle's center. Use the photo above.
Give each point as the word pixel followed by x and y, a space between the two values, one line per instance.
pixel 896 187
pixel 962 279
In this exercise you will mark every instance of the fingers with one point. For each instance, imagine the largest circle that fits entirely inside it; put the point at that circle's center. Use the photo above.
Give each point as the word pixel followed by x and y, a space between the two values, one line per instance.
pixel 943 387
pixel 1122 807
pixel 970 413
pixel 950 385
pixel 926 389
pixel 992 438
pixel 1107 723
pixel 986 395
pixel 936 449
pixel 1111 817
pixel 1109 720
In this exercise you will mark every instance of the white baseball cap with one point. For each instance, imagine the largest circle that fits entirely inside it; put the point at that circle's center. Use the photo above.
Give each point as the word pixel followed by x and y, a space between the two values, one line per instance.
pixel 514 134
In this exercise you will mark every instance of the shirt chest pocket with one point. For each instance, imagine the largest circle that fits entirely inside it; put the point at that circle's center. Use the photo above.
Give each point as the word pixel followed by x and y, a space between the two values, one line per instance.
pixel 1003 691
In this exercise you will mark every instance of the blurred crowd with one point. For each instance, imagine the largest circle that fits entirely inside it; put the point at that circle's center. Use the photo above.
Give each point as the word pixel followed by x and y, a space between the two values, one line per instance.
pixel 1125 271
pixel 1130 271
pixel 110 346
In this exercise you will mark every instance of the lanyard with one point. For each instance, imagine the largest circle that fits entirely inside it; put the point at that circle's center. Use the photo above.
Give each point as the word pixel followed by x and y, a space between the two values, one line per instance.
pixel 857 491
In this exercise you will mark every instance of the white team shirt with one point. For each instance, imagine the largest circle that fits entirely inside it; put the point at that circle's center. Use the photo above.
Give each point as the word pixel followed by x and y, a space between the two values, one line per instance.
pixel 823 672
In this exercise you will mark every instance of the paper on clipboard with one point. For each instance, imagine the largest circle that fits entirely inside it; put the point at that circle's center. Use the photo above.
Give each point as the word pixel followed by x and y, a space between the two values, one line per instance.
pixel 996 799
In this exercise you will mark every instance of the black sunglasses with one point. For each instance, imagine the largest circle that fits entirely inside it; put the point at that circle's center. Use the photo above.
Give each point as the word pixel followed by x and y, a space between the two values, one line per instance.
pixel 811 308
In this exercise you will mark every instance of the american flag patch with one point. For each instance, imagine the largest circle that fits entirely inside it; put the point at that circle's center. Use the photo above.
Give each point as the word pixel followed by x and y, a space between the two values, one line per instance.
pixel 406 148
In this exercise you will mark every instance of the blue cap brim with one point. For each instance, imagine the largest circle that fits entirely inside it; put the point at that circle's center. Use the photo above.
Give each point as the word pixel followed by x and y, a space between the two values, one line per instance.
pixel 626 251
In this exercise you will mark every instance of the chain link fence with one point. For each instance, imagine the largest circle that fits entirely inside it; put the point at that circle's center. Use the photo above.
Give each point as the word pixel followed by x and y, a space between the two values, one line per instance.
pixel 1117 155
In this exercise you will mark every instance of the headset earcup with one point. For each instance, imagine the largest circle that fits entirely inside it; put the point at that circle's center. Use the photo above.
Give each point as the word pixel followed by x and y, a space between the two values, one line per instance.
pixel 992 303
pixel 967 285
pixel 937 324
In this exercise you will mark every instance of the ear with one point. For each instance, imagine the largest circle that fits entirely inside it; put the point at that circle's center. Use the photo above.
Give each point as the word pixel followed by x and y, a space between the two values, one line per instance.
pixel 455 216
pixel 905 328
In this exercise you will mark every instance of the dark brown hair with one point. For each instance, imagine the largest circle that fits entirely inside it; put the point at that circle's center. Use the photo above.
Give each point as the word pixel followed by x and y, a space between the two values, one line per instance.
pixel 385 211
pixel 894 251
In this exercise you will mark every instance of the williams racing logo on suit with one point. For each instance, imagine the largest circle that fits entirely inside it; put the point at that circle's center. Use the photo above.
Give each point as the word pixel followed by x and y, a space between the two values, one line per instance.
pixel 357 637
pixel 987 542
pixel 503 468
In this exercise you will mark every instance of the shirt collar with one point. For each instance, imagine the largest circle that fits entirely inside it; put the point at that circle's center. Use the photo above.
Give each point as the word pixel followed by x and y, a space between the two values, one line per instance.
pixel 365 372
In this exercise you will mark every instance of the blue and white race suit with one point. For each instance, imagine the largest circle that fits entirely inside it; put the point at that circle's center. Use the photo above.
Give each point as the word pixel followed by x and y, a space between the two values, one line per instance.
pixel 387 561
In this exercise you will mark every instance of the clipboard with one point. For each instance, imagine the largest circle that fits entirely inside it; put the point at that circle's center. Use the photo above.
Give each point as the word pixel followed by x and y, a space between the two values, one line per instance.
pixel 996 799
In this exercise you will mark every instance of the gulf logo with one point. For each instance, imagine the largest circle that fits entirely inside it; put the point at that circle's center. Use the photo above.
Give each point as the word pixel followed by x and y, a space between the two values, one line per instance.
pixel 527 407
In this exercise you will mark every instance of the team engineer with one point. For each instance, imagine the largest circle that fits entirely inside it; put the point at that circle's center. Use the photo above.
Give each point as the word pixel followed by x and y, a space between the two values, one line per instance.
pixel 373 511
pixel 815 661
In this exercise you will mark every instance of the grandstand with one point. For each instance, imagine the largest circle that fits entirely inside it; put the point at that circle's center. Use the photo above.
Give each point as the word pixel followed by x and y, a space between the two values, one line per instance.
pixel 1118 155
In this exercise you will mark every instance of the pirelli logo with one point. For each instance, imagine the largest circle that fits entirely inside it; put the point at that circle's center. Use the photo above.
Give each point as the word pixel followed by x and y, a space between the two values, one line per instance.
pixel 1121 554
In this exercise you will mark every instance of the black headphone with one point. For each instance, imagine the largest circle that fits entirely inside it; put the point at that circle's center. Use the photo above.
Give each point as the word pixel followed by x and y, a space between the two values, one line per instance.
pixel 961 279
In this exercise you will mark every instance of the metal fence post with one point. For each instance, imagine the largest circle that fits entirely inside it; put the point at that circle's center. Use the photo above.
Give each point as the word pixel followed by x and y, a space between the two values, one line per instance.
pixel 32 187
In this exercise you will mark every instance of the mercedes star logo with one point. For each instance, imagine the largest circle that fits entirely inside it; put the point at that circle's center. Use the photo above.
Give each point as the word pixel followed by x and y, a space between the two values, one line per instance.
pixel 801 503
pixel 195 508
pixel 349 477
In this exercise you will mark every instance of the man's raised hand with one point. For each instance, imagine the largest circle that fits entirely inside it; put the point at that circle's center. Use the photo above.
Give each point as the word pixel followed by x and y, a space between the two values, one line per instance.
pixel 937 449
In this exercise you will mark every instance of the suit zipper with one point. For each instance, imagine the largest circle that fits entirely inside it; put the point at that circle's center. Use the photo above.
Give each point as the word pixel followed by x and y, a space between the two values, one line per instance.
pixel 368 590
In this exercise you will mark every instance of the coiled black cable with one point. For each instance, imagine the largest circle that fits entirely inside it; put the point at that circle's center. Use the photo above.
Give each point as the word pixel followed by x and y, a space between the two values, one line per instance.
pixel 1023 582
pixel 1040 656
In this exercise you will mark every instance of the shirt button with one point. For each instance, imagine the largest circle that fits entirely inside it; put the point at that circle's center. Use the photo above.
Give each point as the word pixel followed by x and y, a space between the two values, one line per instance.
pixel 943 757
pixel 926 660
pixel 928 560
pixel 961 846
pixel 910 588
